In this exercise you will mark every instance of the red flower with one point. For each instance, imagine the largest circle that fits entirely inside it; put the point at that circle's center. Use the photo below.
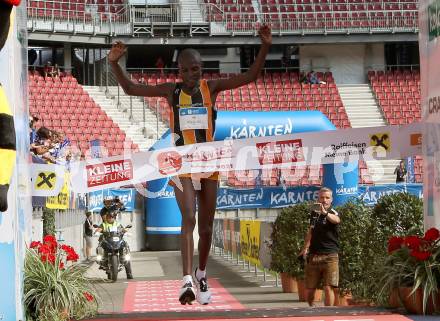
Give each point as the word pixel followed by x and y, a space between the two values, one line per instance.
pixel 72 256
pixel 413 242
pixel 48 257
pixel 395 243
pixel 34 244
pixel 44 249
pixel 61 265
pixel 88 296
pixel 50 241
pixel 432 235
pixel 421 255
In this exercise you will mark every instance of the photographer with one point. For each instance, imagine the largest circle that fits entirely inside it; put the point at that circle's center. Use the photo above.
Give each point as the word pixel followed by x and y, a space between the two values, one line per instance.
pixel 321 248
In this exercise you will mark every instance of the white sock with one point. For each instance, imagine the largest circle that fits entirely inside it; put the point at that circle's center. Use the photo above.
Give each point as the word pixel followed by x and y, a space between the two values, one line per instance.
pixel 200 274
pixel 187 278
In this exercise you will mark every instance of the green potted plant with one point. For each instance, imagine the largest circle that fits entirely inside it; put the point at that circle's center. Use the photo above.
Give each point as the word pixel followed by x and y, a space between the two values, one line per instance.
pixel 413 267
pixel 289 230
pixel 397 214
pixel 55 286
pixel 354 217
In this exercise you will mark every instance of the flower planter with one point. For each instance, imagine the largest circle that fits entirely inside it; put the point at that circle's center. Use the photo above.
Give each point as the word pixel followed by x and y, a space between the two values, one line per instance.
pixel 413 303
pixel 288 283
pixel 318 295
pixel 394 301
pixel 341 300
pixel 302 291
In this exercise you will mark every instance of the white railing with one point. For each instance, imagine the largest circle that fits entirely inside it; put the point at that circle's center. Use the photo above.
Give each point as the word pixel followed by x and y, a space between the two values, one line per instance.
pixel 78 17
pixel 156 14
pixel 85 17
pixel 311 22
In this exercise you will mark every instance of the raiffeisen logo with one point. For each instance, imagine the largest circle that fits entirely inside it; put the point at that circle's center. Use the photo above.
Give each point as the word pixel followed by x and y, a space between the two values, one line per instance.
pixel 434 20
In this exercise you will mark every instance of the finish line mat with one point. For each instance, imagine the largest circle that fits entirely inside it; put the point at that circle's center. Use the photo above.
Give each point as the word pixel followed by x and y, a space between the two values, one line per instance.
pixel 390 317
pixel 162 296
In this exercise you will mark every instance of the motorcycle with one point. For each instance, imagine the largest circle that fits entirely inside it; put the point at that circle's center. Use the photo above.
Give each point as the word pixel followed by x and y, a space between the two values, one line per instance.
pixel 113 254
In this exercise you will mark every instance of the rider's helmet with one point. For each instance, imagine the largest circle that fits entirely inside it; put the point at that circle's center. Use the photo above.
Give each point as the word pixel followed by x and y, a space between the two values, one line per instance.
pixel 108 200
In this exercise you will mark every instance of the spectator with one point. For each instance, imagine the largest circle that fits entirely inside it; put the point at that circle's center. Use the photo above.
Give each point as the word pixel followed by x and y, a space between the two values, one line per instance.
pixel 33 120
pixel 321 248
pixel 56 71
pixel 258 179
pixel 160 65
pixel 313 78
pixel 49 70
pixel 400 172
pixel 304 79
pixel 88 234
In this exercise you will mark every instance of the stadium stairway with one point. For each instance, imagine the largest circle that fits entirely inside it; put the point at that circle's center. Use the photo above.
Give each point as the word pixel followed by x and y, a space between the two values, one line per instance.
pixel 132 127
pixel 190 11
pixel 363 111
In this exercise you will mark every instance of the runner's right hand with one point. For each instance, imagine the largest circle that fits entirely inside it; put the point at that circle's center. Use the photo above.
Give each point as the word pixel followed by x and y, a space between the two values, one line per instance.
pixel 117 51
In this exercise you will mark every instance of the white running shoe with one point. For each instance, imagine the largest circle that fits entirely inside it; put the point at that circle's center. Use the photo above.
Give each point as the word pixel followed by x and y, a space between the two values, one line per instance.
pixel 203 293
pixel 187 293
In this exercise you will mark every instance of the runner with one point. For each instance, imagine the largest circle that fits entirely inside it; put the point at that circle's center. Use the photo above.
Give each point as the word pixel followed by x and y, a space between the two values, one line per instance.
pixel 199 95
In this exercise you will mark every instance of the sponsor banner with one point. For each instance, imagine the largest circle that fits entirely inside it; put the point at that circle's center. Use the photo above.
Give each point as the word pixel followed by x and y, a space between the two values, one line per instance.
pixel 429 48
pixel 278 197
pixel 341 146
pixel 371 194
pixel 227 235
pixel 250 241
pixel 265 197
pixel 237 239
pixel 47 180
pixel 410 169
pixel 106 173
pixel 265 243
pixel 231 227
pixel 96 199
pixel 61 201
pixel 218 233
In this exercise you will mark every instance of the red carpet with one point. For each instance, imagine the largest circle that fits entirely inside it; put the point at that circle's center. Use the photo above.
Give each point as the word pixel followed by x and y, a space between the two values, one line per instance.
pixel 390 317
pixel 161 296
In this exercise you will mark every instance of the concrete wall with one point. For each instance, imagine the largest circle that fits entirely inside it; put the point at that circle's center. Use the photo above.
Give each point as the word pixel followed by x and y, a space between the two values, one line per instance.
pixel 348 62
pixel 265 214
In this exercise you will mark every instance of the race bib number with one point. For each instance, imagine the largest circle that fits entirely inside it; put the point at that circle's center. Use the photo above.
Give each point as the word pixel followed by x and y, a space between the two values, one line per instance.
pixel 193 118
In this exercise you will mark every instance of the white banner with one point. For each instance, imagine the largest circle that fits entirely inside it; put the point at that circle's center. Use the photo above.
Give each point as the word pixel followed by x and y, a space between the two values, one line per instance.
pixel 347 145
pixel 429 42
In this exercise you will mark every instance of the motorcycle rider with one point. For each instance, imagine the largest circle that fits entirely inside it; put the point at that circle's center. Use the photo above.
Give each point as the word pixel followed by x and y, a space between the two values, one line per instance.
pixel 110 224
pixel 108 206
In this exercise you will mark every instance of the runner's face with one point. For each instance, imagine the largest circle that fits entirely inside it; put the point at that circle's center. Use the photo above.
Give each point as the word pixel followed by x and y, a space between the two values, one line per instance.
pixel 191 71
pixel 325 198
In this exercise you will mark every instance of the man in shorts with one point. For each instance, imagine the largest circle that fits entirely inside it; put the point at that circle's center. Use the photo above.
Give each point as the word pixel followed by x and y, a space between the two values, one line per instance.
pixel 88 235
pixel 321 248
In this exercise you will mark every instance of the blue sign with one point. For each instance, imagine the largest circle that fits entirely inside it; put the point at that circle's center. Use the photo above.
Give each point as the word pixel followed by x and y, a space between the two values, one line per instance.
pixel 410 169
pixel 276 197
pixel 237 125
pixel 96 199
pixel 343 179
pixel 266 197
pixel 370 194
